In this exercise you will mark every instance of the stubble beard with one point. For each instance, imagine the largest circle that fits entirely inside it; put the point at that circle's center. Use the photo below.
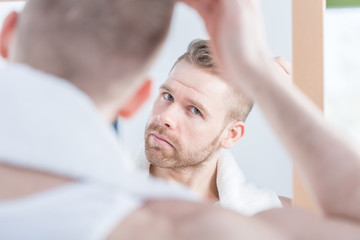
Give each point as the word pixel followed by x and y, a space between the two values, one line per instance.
pixel 177 157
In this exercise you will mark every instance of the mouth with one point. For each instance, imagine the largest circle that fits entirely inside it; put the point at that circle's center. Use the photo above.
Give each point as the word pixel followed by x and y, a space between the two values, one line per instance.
pixel 160 140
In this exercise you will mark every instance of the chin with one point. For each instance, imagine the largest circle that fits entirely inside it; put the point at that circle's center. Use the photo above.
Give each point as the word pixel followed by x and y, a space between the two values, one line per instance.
pixel 158 159
pixel 154 156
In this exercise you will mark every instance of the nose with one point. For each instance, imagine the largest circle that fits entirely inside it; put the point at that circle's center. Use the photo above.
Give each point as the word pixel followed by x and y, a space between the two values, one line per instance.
pixel 168 117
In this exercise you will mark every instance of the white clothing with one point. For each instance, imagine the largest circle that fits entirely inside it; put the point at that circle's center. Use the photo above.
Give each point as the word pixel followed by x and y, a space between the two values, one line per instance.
pixel 234 191
pixel 49 125
pixel 45 122
pixel 73 211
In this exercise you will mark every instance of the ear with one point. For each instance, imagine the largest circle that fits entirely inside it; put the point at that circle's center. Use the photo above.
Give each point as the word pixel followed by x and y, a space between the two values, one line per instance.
pixel 137 100
pixel 232 134
pixel 7 33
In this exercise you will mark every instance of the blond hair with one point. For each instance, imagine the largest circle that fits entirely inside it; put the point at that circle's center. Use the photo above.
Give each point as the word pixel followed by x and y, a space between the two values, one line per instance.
pixel 199 54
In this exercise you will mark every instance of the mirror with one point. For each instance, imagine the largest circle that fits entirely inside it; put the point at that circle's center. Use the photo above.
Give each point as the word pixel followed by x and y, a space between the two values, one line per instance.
pixel 259 154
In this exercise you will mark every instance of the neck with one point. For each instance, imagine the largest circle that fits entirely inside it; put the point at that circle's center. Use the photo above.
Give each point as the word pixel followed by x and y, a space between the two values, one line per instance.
pixel 201 179
pixel 110 97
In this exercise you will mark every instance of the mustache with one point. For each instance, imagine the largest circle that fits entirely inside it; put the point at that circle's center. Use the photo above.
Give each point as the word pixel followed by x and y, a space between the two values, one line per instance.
pixel 155 128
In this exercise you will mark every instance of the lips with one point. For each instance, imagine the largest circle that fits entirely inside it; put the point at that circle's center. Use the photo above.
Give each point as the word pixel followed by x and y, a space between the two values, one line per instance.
pixel 160 139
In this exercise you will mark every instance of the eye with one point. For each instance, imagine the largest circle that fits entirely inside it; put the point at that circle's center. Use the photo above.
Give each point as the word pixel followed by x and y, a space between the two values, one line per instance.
pixel 169 97
pixel 195 110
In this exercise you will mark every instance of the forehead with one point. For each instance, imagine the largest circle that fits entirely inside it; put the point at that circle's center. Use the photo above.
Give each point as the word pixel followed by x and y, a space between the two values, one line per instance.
pixel 190 83
pixel 187 76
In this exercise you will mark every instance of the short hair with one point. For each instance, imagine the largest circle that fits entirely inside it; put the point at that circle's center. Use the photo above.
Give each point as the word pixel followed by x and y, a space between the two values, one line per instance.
pixel 199 54
pixel 73 33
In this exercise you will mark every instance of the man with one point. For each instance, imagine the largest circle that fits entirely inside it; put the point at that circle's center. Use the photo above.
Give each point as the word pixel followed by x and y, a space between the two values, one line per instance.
pixel 73 65
pixel 79 201
pixel 195 116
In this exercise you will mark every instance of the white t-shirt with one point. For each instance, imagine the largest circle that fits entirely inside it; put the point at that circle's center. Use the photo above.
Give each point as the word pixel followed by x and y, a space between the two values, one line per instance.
pixel 49 125
pixel 73 211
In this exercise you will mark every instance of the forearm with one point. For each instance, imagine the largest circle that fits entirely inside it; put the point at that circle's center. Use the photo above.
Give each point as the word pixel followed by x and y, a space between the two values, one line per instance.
pixel 292 222
pixel 328 164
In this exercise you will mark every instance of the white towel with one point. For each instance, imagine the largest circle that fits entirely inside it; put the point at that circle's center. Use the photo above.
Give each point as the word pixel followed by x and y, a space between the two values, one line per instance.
pixel 235 192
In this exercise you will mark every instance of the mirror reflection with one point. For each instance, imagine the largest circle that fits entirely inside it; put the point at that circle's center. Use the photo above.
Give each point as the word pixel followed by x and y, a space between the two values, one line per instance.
pixel 259 156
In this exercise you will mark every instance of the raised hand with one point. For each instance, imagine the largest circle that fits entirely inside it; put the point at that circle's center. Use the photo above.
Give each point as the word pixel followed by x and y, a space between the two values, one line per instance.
pixel 238 36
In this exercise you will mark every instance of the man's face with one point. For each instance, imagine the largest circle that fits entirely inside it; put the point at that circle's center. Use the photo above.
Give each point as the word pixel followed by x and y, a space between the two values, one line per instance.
pixel 188 118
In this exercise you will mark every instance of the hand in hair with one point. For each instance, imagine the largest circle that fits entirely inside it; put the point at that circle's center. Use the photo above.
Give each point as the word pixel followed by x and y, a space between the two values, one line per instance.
pixel 238 36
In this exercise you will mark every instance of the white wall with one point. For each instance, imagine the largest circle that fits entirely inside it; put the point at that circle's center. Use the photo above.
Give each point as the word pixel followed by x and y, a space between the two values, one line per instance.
pixel 342 85
pixel 259 154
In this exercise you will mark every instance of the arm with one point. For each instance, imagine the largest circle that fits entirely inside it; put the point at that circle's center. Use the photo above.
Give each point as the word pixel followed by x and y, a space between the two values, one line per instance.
pixel 292 222
pixel 328 164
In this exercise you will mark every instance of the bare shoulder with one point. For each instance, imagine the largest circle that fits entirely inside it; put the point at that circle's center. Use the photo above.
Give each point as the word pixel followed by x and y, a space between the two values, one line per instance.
pixel 156 219
pixel 176 219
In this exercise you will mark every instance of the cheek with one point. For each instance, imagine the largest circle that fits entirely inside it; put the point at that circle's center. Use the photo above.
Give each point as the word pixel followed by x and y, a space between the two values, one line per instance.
pixel 155 107
pixel 207 132
pixel 156 110
pixel 152 117
pixel 159 106
pixel 199 133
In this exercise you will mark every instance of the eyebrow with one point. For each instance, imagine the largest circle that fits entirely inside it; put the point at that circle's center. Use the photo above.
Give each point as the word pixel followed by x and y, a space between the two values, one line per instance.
pixel 192 102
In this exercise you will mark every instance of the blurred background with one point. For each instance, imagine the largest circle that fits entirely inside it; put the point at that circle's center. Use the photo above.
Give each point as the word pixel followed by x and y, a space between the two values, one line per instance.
pixel 342 66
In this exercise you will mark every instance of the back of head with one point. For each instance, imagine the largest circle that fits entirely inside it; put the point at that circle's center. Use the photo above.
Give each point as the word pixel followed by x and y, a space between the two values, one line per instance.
pixel 199 54
pixel 81 39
